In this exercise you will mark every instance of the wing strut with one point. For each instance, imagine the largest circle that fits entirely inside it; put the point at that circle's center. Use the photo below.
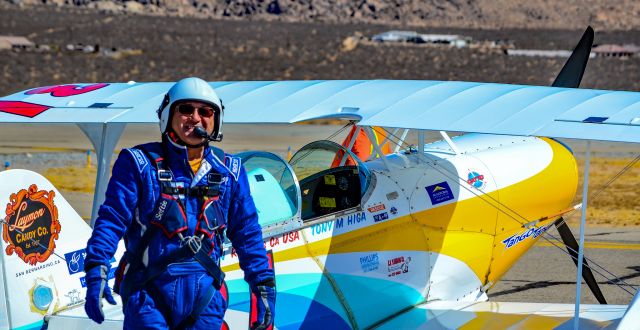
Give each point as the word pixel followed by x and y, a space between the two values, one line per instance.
pixel 583 218
pixel 104 137
pixel 372 137
pixel 452 145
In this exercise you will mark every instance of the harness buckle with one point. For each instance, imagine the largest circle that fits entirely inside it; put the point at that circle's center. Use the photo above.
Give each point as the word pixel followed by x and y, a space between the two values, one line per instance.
pixel 164 175
pixel 194 243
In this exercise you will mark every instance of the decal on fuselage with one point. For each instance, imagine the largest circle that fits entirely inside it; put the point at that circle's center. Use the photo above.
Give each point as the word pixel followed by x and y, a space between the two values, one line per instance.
pixel 31 225
pixel 339 223
pixel 43 295
pixel 75 261
pixel 476 180
pixel 439 193
pixel 380 217
pixel 369 262
pixel 398 265
pixel 376 208
pixel 532 232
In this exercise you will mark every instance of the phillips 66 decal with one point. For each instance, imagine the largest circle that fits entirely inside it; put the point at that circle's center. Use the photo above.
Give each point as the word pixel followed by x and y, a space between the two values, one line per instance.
pixel 31 225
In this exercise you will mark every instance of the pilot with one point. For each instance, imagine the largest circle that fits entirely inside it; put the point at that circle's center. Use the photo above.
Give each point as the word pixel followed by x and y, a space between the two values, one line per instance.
pixel 173 202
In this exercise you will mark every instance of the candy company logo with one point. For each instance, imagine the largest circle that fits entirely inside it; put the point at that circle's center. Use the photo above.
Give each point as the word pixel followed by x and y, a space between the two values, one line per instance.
pixel 31 225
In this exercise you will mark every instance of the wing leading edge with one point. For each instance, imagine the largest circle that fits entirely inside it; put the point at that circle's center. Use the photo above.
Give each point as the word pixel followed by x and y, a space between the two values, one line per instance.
pixel 416 104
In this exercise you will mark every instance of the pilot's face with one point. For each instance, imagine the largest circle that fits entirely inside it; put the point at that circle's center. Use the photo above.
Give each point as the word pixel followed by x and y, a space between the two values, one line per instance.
pixel 189 114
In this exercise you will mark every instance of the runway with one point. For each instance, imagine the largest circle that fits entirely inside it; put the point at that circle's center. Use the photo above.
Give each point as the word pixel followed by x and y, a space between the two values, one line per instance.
pixel 545 274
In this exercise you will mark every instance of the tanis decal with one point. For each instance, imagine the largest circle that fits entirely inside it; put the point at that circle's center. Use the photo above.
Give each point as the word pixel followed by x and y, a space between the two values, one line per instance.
pixel 31 225
pixel 532 232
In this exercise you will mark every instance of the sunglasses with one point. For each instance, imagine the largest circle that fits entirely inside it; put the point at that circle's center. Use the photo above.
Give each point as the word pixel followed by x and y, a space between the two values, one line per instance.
pixel 188 110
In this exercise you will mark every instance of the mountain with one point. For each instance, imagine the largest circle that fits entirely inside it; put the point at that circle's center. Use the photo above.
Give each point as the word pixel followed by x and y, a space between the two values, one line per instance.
pixel 486 14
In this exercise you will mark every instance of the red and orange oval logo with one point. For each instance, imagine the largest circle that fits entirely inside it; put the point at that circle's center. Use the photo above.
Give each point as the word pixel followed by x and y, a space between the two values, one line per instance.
pixel 31 225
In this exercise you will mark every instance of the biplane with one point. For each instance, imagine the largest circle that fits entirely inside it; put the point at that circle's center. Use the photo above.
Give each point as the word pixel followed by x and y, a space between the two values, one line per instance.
pixel 413 237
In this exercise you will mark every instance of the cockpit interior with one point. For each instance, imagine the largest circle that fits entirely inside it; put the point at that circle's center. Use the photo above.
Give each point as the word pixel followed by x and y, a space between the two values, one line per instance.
pixel 322 178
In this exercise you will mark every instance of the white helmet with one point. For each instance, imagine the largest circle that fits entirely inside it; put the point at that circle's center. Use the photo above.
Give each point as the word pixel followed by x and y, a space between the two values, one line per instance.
pixel 191 89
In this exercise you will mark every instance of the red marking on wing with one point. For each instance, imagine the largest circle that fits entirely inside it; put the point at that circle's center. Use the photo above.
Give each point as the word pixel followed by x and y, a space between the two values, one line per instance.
pixel 66 90
pixel 24 109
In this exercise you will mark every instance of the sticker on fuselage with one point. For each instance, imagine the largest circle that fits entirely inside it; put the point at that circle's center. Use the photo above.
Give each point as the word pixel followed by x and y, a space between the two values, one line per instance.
pixel 380 217
pixel 369 262
pixel 376 208
pixel 476 180
pixel 439 193
pixel 75 261
pixel 31 226
pixel 398 265
pixel 532 232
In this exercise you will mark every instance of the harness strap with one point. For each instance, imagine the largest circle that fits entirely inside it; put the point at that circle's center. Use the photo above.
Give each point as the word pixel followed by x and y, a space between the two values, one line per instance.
pixel 188 251
pixel 198 191
pixel 183 254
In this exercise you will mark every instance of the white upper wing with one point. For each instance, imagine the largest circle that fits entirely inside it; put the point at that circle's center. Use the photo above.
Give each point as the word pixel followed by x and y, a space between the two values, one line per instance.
pixel 417 104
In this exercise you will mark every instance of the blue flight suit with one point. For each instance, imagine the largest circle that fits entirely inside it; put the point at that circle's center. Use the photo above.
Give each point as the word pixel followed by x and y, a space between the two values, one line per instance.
pixel 131 196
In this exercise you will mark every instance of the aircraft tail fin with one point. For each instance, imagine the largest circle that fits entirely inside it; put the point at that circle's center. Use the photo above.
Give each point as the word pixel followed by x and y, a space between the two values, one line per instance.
pixel 571 74
pixel 43 241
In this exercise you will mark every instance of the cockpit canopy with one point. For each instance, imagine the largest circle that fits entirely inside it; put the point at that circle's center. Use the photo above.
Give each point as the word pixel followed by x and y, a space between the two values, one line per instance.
pixel 323 177
pixel 331 178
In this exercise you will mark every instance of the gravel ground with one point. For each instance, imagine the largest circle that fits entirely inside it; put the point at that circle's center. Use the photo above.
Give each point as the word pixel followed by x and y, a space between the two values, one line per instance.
pixel 172 48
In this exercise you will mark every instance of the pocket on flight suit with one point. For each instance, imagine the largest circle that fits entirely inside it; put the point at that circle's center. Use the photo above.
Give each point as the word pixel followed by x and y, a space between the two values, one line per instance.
pixel 169 215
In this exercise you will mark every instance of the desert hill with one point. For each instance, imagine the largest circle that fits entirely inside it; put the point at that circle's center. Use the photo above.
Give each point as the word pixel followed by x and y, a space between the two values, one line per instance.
pixel 486 14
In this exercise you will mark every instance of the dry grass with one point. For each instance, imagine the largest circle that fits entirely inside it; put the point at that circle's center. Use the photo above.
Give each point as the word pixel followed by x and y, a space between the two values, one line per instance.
pixel 78 179
pixel 617 205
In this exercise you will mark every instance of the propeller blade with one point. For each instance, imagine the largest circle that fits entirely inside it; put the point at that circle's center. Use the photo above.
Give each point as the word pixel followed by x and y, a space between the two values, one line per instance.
pixel 572 247
pixel 572 71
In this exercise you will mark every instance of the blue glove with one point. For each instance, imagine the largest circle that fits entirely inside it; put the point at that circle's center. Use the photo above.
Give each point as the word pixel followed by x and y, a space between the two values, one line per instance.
pixel 97 288
pixel 266 305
